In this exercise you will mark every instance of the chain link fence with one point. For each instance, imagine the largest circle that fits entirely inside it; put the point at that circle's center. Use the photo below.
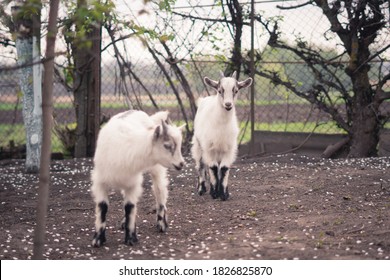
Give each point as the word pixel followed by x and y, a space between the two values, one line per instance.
pixel 141 83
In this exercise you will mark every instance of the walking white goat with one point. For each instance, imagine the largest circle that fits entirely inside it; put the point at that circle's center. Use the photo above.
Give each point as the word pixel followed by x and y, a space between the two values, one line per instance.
pixel 214 145
pixel 130 144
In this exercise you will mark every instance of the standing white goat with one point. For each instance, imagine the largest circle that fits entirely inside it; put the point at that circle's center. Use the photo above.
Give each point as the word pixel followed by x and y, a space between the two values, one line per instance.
pixel 130 144
pixel 214 145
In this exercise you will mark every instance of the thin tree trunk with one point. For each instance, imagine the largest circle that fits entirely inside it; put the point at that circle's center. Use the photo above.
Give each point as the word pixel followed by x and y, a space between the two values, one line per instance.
pixel 47 108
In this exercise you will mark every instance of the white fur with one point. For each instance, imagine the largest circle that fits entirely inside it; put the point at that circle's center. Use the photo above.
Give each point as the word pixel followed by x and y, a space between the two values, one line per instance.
pixel 130 144
pixel 216 132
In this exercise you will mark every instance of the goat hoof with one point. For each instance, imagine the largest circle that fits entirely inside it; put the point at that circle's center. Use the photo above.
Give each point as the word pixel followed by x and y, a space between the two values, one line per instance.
pixel 162 224
pixel 96 243
pixel 225 196
pixel 98 240
pixel 202 188
pixel 131 239
pixel 214 195
pixel 202 191
pixel 162 228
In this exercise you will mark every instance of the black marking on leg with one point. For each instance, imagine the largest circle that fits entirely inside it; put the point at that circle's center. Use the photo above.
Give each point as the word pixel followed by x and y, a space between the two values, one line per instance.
pixel 214 188
pixel 224 193
pixel 100 235
pixel 201 178
pixel 130 237
pixel 103 211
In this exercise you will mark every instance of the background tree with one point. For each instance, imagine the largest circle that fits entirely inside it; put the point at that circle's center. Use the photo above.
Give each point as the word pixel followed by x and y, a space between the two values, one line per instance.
pixel 25 27
pixel 357 24
pixel 82 32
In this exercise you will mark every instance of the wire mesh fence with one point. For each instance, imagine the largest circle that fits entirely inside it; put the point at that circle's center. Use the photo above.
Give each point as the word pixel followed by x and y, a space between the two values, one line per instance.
pixel 139 82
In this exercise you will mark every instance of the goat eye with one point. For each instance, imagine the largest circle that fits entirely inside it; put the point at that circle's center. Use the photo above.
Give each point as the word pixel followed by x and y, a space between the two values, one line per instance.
pixel 167 146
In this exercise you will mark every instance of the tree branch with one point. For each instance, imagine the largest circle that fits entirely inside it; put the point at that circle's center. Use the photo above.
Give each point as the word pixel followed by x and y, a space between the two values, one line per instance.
pixel 372 57
pixel 311 96
pixel 203 19
pixel 296 6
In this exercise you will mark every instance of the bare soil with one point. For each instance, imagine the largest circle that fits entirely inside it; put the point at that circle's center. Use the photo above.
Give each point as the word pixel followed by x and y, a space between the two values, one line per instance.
pixel 281 207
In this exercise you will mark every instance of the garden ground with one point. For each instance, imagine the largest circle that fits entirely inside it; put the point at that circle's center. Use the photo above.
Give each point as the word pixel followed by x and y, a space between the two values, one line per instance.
pixel 281 207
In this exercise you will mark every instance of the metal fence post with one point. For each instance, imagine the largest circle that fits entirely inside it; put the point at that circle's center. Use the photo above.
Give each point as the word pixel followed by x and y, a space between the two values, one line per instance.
pixel 252 70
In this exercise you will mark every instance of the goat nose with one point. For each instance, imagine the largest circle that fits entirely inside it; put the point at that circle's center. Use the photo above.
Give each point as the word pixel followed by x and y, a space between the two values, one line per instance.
pixel 228 106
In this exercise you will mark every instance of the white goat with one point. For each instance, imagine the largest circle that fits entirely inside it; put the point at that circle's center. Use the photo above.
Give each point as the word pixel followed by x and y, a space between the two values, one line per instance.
pixel 214 145
pixel 130 144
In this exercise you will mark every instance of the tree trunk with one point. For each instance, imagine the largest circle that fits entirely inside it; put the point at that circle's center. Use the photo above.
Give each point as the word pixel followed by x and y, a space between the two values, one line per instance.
pixel 365 124
pixel 365 131
pixel 30 79
pixel 87 86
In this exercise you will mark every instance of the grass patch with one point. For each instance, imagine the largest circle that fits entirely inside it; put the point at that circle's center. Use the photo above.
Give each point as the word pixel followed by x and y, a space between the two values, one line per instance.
pixel 305 127
pixel 17 134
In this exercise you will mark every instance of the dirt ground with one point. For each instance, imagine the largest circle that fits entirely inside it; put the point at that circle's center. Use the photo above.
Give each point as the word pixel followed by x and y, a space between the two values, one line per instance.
pixel 281 207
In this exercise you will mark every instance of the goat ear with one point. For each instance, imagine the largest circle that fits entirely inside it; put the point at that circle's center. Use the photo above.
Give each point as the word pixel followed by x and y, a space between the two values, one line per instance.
pixel 221 74
pixel 157 133
pixel 234 75
pixel 211 83
pixel 162 115
pixel 245 83
pixel 161 131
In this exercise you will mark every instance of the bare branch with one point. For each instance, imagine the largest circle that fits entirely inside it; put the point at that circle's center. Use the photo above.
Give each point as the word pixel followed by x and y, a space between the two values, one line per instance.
pixel 42 61
pixel 296 6
pixel 372 57
pixel 203 19
pixel 313 96
pixel 121 38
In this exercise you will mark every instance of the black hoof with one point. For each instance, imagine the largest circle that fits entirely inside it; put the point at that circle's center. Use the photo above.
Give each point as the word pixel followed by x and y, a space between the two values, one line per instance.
pixel 131 239
pixel 214 193
pixel 162 227
pixel 225 196
pixel 99 239
pixel 162 224
pixel 202 188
